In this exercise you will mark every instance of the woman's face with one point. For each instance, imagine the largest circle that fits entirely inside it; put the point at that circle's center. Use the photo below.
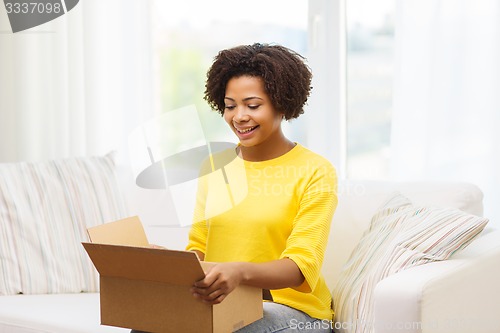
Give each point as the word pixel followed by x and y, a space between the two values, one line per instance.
pixel 250 113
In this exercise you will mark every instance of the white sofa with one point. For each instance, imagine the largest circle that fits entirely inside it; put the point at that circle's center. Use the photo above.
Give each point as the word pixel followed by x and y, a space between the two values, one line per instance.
pixel 461 294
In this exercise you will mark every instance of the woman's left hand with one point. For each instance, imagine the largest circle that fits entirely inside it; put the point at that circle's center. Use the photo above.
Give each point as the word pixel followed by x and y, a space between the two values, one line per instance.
pixel 219 281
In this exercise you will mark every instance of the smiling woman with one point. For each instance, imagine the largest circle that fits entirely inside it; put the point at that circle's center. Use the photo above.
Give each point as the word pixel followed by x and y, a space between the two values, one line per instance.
pixel 254 120
pixel 273 239
pixel 250 86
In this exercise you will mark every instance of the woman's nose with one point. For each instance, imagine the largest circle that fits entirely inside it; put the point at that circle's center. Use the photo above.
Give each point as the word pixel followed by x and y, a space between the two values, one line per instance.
pixel 241 114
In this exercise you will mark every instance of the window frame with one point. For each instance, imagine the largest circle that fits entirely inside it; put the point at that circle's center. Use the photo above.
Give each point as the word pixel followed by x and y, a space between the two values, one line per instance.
pixel 327 45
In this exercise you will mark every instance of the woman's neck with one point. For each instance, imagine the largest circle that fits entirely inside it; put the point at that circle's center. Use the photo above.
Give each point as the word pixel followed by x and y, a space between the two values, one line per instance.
pixel 266 151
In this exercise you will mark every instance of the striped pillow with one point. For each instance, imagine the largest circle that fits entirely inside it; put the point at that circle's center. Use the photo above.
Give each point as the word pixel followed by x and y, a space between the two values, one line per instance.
pixel 401 235
pixel 44 211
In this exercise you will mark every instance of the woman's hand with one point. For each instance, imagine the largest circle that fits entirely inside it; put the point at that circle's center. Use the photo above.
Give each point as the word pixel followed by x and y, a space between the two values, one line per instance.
pixel 219 281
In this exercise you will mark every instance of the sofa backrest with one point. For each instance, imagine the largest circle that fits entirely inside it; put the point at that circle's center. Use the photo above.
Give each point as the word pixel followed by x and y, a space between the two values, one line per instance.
pixel 45 210
pixel 359 200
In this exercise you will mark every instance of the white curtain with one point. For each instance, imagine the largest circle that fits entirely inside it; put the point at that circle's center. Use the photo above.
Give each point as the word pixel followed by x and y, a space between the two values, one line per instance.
pixel 76 85
pixel 446 123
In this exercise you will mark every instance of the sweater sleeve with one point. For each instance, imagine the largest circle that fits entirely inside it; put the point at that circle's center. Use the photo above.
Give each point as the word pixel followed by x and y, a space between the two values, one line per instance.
pixel 307 242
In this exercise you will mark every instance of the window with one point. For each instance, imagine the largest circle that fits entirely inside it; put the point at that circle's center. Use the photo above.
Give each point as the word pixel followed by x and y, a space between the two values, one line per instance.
pixel 348 44
pixel 370 42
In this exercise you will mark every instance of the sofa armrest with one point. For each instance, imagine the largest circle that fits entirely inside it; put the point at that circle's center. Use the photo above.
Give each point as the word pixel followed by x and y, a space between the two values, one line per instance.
pixel 458 295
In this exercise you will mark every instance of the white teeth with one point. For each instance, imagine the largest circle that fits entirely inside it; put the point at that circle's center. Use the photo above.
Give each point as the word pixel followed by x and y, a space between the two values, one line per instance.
pixel 246 130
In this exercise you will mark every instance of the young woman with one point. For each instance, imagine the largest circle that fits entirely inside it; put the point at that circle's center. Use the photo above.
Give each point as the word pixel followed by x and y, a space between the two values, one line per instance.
pixel 275 237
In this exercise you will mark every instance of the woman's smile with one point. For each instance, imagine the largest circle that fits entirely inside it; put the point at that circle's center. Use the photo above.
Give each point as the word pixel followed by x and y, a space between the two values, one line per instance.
pixel 244 132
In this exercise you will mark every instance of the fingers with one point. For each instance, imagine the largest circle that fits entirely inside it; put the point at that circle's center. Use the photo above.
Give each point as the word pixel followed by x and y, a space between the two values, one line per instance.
pixel 207 281
pixel 205 296
pixel 217 284
pixel 211 292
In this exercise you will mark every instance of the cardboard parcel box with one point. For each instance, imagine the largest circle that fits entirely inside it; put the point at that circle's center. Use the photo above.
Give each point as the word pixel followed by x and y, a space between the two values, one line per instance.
pixel 148 288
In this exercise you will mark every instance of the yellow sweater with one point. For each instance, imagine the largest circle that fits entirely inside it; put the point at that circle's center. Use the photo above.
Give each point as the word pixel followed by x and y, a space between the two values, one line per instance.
pixel 280 208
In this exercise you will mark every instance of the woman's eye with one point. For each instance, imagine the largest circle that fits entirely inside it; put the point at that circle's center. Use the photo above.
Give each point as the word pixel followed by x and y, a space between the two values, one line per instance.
pixel 253 107
pixel 230 107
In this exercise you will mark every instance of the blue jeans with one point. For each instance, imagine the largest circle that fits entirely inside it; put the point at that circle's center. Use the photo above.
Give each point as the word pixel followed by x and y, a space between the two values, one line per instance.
pixel 283 319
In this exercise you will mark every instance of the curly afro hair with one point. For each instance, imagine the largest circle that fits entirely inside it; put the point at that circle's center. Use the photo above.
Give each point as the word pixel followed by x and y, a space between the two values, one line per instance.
pixel 286 77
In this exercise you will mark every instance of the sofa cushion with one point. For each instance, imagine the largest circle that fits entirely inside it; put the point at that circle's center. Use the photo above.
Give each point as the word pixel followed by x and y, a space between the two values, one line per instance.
pixel 359 200
pixel 401 235
pixel 45 208
pixel 55 313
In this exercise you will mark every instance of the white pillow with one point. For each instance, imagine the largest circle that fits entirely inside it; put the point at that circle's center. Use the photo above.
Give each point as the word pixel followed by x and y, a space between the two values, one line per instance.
pixel 401 235
pixel 45 209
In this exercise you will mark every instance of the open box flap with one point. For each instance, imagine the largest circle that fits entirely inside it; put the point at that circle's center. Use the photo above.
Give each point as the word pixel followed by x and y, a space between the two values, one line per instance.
pixel 149 264
pixel 128 231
